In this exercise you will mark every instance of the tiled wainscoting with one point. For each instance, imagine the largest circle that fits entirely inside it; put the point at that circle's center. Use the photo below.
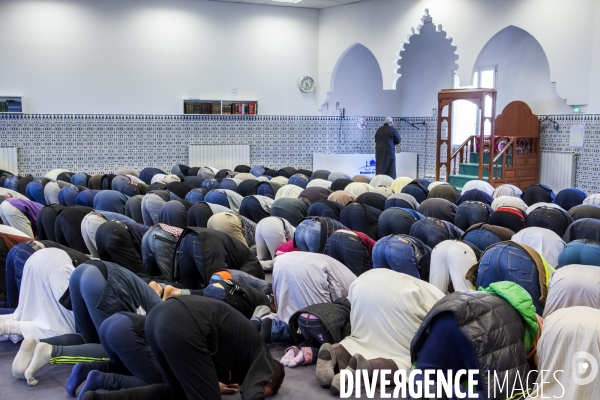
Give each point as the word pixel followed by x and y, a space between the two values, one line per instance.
pixel 102 143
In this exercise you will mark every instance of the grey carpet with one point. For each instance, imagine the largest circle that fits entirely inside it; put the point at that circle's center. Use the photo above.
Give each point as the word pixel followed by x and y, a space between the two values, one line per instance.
pixel 300 382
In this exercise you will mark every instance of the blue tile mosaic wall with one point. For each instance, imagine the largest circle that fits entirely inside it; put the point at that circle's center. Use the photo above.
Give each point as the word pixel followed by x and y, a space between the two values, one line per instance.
pixel 102 143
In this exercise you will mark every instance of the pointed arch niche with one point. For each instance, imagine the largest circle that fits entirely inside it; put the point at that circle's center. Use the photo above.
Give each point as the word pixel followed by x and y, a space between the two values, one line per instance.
pixel 357 85
pixel 426 62
pixel 523 71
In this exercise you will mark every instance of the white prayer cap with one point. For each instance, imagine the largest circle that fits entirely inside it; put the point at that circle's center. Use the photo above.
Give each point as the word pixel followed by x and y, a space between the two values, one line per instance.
pixel 387 120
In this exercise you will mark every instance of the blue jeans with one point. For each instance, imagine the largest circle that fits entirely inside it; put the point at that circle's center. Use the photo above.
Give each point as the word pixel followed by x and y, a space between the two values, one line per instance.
pixel 396 254
pixel 68 196
pixel 79 179
pixel 158 250
pixel 507 262
pixel 217 198
pixel 580 252
pixel 308 236
pixel 190 262
pixel 252 281
pixel 15 264
pixel 481 238
pixel 35 192
pixel 195 196
pixel 349 250
pixel 298 180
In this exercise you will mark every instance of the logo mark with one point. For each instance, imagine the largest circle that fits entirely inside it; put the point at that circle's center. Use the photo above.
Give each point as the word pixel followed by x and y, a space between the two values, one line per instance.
pixel 583 363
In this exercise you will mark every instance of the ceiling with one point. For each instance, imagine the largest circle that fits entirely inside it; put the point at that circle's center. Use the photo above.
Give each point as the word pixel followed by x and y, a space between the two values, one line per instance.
pixel 301 4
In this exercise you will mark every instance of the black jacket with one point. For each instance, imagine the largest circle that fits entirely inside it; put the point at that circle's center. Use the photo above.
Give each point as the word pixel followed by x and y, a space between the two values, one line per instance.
pixel 335 316
pixel 494 329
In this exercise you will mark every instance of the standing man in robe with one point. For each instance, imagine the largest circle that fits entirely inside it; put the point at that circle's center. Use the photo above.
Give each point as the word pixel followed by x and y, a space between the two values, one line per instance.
pixel 386 139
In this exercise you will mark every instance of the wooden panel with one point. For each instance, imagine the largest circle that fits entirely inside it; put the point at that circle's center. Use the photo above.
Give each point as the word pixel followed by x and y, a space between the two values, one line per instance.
pixel 520 162
pixel 526 173
pixel 517 120
pixel 510 173
pixel 526 183
pixel 532 160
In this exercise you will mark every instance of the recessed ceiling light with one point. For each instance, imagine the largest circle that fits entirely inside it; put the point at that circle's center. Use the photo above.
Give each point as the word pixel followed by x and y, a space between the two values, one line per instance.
pixel 287 1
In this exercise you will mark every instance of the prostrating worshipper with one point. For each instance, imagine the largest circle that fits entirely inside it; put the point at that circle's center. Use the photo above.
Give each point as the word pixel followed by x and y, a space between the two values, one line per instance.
pixel 396 220
pixel 325 208
pixel 361 178
pixel 196 195
pixel 353 249
pixel 444 191
pixel 15 265
pixel 483 235
pixel 542 240
pixel 97 290
pixel 244 176
pixel 538 193
pixel 68 195
pixel 403 253
pixel 386 139
pixel 438 208
pixel 293 210
pixel 361 218
pixel 383 323
pixel 106 181
pixel 120 241
pixel 574 285
pixel 299 180
pixel 52 189
pixel 470 213
pixel 157 186
pixel 312 233
pixel 341 184
pixel 593 200
pixel 119 181
pixel 381 180
pixel 509 201
pixel 248 187
pixel 39 314
pixel 462 332
pixel 256 207
pixel 324 183
pixel 110 200
pixel 313 194
pixel 280 180
pixel 514 262
pixel 193 181
pixel 553 218
pixel 301 279
pixel 180 170
pixel 22 184
pixel 151 205
pixel 250 366
pixel 584 211
pixel 234 225
pixel 20 214
pixel 199 214
pixel 568 333
pixel 202 251
pixel 399 183
pixel 569 198
pixel 267 189
pixel 179 189
pixel 7 242
pixel 229 184
pixel 8 193
pixel 288 191
pixel 67 227
pixel 158 250
pixel 272 232
pixel 80 179
pixel 95 182
pixel 433 231
pixel 174 213
pixel 480 185
pixel 509 217
pixel 320 174
pixel 134 189
pixel 383 190
pixel 580 251
pixel 450 262
pixel 584 228
pixel 35 190
pixel 86 198
pixel 46 222
pixel 402 200
pixel 357 188
pixel 416 190
pixel 53 174
pixel 374 200
pixel 147 173
pixel 338 175
pixel 342 197
pixel 133 208
pixel 475 195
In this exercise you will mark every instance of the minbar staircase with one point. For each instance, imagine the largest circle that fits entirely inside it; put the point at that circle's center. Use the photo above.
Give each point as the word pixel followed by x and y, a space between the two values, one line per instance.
pixel 469 171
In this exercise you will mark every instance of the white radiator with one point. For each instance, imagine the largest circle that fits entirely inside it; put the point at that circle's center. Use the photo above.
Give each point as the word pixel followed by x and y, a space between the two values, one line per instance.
pixel 8 160
pixel 558 170
pixel 219 156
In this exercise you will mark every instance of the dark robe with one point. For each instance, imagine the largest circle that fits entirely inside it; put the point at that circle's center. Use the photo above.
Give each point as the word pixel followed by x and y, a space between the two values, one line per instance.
pixel 386 139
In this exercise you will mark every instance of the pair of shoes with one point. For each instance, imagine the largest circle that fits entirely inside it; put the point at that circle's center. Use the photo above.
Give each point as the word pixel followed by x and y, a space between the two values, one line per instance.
pixel 357 363
pixel 326 362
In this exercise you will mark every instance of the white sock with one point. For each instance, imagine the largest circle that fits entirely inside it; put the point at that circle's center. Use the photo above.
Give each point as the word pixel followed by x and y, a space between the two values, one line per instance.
pixel 24 357
pixel 41 357
pixel 10 326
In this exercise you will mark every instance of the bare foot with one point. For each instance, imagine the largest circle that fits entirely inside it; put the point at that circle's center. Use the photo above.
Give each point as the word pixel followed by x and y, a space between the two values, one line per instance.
pixel 171 291
pixel 157 288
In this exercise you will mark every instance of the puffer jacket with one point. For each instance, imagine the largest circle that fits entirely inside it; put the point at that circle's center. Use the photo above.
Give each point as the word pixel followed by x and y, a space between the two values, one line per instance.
pixel 494 329
pixel 335 316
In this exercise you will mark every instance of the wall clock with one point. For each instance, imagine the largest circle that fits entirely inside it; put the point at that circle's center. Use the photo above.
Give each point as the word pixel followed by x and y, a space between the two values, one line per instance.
pixel 307 84
pixel 362 123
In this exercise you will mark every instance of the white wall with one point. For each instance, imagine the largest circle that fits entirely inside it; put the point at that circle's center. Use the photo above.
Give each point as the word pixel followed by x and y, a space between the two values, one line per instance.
pixel 564 29
pixel 426 67
pixel 145 56
pixel 358 86
pixel 523 72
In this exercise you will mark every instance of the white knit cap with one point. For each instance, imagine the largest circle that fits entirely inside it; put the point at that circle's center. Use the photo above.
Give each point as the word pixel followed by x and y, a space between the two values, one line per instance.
pixel 387 120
